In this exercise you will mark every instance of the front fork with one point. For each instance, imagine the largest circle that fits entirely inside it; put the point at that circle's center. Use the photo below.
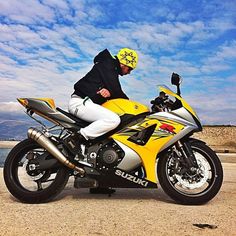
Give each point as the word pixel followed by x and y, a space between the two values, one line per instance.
pixel 187 154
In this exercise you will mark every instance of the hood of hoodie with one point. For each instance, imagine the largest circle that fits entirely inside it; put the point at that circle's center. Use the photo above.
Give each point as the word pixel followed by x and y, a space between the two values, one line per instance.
pixel 105 56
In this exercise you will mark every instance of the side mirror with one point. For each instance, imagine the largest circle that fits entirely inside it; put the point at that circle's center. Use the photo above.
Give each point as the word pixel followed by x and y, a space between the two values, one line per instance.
pixel 176 79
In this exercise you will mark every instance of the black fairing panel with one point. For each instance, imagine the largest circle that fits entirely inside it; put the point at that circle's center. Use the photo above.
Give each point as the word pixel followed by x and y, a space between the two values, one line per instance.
pixel 123 180
pixel 79 122
pixel 43 109
pixel 125 120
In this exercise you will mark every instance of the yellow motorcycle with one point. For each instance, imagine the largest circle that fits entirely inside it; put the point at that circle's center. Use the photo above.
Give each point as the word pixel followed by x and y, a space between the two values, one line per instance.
pixel 146 149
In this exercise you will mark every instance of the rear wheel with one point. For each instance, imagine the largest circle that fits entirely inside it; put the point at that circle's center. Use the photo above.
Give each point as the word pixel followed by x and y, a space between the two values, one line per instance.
pixel 28 183
pixel 195 185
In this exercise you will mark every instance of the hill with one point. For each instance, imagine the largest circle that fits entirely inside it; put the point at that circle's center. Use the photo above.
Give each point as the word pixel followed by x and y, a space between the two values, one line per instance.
pixel 219 137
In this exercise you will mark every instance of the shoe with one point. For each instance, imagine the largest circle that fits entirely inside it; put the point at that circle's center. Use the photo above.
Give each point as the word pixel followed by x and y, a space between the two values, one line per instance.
pixel 100 190
pixel 81 139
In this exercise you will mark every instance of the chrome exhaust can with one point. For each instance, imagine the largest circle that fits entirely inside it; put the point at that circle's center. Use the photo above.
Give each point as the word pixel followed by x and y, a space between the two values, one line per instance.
pixel 46 143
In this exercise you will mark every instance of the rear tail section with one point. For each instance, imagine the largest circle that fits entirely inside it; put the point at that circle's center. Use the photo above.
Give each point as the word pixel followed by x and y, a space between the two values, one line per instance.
pixel 45 107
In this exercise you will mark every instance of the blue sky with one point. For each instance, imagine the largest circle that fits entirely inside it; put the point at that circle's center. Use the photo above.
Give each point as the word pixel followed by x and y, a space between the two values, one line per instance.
pixel 47 45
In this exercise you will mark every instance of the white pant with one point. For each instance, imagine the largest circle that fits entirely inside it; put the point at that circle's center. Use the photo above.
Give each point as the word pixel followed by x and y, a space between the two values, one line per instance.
pixel 103 120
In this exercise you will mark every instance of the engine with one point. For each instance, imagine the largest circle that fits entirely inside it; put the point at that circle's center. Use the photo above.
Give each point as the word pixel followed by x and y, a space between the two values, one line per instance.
pixel 107 156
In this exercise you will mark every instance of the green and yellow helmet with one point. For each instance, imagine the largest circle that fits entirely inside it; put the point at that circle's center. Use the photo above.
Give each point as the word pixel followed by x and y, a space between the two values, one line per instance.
pixel 128 57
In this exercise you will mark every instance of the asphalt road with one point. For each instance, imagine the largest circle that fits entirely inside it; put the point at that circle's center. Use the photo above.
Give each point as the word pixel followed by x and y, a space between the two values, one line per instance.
pixel 227 157
pixel 127 212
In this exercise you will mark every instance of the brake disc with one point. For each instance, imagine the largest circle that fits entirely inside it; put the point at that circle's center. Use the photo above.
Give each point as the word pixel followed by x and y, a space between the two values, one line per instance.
pixel 201 176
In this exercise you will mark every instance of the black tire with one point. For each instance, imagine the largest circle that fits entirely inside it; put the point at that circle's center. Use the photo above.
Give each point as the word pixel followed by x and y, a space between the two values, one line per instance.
pixel 14 168
pixel 170 183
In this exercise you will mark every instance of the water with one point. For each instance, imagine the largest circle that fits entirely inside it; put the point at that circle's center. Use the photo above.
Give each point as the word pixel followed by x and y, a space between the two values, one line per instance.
pixel 3 155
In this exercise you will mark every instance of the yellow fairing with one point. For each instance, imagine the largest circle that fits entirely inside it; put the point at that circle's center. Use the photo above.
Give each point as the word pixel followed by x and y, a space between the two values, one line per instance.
pixel 49 101
pixel 125 106
pixel 184 103
pixel 149 151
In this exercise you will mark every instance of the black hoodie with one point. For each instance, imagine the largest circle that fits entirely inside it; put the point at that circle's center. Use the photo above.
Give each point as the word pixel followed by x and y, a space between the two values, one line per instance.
pixel 104 74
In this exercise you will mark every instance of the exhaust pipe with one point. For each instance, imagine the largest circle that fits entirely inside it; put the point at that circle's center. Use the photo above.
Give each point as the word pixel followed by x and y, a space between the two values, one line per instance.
pixel 45 142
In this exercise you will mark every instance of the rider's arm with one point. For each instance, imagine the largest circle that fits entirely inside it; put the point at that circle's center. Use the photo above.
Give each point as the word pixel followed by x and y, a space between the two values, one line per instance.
pixel 111 82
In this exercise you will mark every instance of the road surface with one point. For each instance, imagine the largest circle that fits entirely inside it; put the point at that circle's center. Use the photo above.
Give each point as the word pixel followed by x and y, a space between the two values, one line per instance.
pixel 127 212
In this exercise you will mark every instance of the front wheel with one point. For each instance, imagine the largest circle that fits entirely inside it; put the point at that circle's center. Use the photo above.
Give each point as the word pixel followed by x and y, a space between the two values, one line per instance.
pixel 27 183
pixel 192 186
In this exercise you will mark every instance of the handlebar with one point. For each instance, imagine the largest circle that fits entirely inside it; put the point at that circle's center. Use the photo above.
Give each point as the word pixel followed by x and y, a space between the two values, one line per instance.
pixel 163 102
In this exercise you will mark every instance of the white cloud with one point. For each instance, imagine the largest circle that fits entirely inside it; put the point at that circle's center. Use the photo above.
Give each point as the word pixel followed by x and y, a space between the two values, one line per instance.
pixel 57 4
pixel 227 51
pixel 221 59
pixel 26 11
pixel 10 107
pixel 41 55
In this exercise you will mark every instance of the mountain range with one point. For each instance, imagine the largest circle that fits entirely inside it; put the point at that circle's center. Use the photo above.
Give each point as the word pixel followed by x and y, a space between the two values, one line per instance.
pixel 15 126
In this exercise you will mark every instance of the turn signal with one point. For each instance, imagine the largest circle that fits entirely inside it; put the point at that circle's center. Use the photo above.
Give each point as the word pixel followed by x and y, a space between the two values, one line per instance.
pixel 23 101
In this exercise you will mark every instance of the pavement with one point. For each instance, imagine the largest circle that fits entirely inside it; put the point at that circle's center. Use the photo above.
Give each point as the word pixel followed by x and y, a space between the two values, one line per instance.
pixel 227 157
pixel 127 212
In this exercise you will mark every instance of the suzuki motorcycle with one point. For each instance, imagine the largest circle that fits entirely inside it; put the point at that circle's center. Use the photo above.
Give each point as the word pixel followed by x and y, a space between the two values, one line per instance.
pixel 145 150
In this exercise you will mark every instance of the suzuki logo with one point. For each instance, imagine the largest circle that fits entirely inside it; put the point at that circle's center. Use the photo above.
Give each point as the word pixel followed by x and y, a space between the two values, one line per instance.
pixel 131 178
pixel 168 128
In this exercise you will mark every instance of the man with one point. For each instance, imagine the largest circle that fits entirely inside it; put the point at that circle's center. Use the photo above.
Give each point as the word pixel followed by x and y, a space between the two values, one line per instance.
pixel 159 102
pixel 100 84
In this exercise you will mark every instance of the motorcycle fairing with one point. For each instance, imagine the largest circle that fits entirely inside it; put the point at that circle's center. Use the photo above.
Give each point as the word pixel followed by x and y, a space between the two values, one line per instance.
pixel 121 179
pixel 45 107
pixel 124 106
pixel 152 142
pixel 159 138
pixel 28 102
pixel 177 124
pixel 166 90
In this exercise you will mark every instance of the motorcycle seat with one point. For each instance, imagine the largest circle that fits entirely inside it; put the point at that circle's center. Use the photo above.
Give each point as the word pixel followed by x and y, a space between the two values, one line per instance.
pixel 78 121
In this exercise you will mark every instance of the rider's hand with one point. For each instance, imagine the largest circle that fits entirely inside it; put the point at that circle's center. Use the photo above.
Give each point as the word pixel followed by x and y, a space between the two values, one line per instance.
pixel 104 93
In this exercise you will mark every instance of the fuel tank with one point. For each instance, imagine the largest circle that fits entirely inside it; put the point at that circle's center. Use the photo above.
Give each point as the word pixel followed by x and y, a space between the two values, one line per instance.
pixel 125 106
